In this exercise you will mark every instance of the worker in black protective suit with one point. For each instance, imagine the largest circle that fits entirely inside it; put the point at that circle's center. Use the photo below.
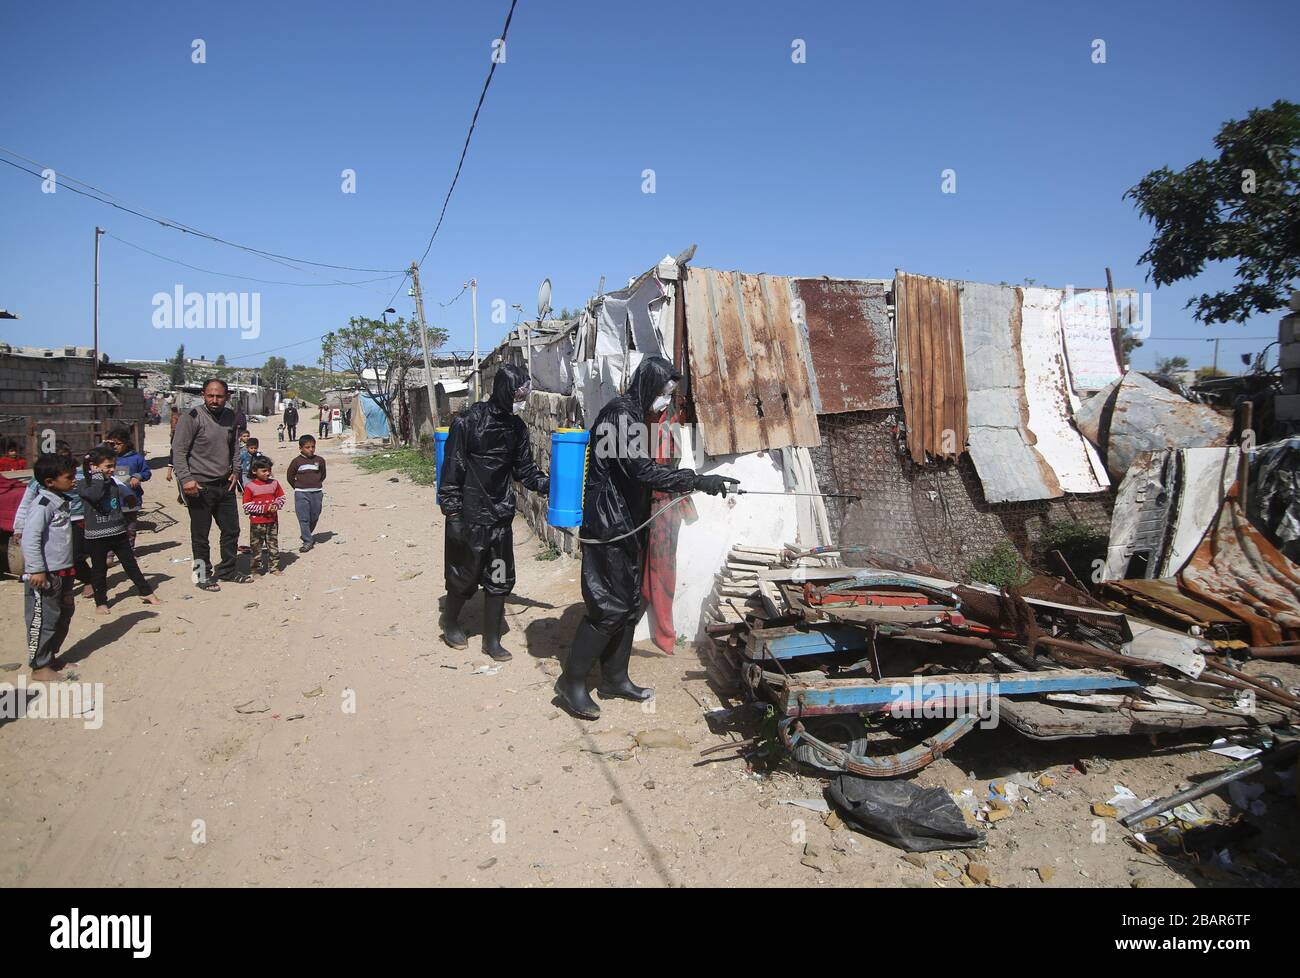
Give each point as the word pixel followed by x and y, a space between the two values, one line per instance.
pixel 616 501
pixel 487 448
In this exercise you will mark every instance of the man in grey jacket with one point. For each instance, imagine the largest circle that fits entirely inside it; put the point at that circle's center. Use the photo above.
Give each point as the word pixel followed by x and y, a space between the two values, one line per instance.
pixel 205 456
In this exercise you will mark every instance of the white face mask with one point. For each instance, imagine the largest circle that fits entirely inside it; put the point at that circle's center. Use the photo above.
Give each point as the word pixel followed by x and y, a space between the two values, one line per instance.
pixel 663 400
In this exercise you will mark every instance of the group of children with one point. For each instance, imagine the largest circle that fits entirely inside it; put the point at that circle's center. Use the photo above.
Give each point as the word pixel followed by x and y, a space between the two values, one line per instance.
pixel 73 520
pixel 263 498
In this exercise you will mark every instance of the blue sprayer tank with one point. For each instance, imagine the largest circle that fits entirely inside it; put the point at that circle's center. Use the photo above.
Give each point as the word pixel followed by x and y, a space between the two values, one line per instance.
pixel 439 447
pixel 568 476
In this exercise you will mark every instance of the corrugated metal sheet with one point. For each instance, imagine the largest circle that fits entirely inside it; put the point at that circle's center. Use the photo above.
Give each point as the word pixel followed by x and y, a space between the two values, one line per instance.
pixel 931 365
pixel 1235 568
pixel 1090 351
pixel 1138 415
pixel 850 342
pixel 749 380
pixel 1009 467
pixel 1051 431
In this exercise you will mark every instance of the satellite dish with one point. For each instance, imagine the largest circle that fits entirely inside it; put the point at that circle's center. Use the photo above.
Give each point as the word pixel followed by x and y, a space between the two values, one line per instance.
pixel 544 299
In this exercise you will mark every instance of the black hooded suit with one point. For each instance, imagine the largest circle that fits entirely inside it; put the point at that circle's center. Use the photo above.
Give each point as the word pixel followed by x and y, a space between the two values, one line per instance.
pixel 618 496
pixel 487 448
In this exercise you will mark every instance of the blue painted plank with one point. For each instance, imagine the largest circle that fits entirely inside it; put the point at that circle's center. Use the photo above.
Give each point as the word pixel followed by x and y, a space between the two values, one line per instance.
pixel 846 695
pixel 816 642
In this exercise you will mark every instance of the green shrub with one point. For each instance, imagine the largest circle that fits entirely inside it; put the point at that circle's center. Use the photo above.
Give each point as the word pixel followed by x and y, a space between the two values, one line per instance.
pixel 1002 568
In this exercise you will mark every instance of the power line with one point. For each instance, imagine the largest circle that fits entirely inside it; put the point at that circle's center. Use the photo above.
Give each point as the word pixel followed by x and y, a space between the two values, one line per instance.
pixel 248 278
pixel 463 289
pixel 465 149
pixel 102 197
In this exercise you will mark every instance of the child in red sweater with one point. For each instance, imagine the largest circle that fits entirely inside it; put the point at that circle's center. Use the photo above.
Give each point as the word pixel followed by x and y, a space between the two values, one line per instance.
pixel 263 499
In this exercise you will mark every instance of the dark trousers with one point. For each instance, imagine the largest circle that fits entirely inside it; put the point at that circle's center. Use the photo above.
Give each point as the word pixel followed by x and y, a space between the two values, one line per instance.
pixel 307 506
pixel 49 613
pixel 324 430
pixel 293 431
pixel 478 556
pixel 99 551
pixel 79 562
pixel 611 583
pixel 215 501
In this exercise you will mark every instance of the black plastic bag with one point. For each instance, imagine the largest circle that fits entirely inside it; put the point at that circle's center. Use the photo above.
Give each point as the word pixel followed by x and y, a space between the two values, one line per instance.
pixel 903 814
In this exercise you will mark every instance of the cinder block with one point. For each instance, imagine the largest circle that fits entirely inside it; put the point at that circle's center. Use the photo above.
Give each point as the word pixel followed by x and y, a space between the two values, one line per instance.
pixel 1288 329
pixel 1289 357
pixel 1286 407
pixel 1291 381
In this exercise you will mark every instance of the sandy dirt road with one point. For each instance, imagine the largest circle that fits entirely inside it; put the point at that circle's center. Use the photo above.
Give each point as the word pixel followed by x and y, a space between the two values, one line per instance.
pixel 409 766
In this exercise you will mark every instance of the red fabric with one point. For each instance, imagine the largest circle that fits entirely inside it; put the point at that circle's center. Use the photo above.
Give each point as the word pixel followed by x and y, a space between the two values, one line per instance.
pixel 12 464
pixel 11 494
pixel 659 582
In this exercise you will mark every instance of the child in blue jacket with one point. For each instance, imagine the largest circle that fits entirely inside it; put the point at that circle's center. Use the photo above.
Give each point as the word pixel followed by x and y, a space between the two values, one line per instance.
pixel 131 470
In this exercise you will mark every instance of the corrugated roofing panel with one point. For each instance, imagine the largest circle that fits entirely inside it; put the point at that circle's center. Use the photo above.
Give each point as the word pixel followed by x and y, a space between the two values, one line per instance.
pixel 1051 431
pixel 1009 468
pixel 749 380
pixel 850 342
pixel 931 365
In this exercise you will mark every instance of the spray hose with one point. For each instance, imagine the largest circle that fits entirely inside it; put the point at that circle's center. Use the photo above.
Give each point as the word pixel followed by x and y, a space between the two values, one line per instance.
pixel 739 492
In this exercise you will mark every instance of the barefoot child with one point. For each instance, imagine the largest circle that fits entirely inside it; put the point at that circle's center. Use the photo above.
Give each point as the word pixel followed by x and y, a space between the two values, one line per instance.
pixel 47 555
pixel 106 527
pixel 263 499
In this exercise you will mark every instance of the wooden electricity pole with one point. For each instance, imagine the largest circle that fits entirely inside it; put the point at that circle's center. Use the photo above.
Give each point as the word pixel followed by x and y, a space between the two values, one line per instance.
pixel 424 345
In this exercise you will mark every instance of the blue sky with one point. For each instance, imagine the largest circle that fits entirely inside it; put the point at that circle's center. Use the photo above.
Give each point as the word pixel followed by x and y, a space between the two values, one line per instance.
pixel 830 167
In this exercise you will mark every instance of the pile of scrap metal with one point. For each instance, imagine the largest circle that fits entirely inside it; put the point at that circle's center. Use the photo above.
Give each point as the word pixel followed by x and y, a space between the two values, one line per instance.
pixel 927 658
pixel 1184 553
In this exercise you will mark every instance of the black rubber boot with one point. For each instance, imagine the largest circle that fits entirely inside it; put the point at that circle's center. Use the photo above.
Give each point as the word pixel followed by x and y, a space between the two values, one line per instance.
pixel 494 619
pixel 452 633
pixel 614 680
pixel 571 687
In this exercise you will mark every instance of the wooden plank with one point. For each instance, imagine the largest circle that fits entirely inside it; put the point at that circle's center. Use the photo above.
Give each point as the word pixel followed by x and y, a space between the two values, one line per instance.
pixel 848 695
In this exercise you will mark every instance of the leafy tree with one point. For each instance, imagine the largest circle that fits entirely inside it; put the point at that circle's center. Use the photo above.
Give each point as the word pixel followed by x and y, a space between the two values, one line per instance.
pixel 178 367
pixel 1127 344
pixel 1243 207
pixel 1171 365
pixel 221 360
pixel 380 355
pixel 275 373
pixel 1209 373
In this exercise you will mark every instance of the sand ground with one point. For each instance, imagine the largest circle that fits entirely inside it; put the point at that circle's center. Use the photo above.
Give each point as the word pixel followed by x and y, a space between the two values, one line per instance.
pixel 379 756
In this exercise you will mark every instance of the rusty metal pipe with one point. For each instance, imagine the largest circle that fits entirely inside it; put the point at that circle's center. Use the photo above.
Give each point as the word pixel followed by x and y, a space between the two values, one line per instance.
pixel 1250 682
pixel 1275 651
pixel 936 636
pixel 1078 648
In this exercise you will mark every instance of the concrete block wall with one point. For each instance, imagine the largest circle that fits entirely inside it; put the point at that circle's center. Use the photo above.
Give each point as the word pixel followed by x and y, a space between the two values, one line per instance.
pixel 1286 406
pixel 545 413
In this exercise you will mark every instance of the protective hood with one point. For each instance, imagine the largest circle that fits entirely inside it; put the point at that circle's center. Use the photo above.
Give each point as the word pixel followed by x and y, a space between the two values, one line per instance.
pixel 509 379
pixel 649 380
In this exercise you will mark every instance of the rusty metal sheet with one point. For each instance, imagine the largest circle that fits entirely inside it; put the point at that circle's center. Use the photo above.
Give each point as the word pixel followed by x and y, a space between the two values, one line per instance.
pixel 1137 415
pixel 1236 569
pixel 749 378
pixel 1009 466
pixel 1164 595
pixel 931 365
pixel 850 343
pixel 1050 426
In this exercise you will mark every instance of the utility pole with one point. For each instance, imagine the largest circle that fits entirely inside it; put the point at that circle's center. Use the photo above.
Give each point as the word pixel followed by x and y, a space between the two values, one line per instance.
pixel 95 370
pixel 1215 368
pixel 1116 339
pixel 424 343
pixel 473 298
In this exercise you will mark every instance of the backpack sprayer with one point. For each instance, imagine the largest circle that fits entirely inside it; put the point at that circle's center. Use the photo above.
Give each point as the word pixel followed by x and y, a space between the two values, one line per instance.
pixel 569 479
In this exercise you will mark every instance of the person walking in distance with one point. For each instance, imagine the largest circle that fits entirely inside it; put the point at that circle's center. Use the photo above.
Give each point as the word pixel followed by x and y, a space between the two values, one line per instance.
pixel 205 456
pixel 324 423
pixel 291 420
